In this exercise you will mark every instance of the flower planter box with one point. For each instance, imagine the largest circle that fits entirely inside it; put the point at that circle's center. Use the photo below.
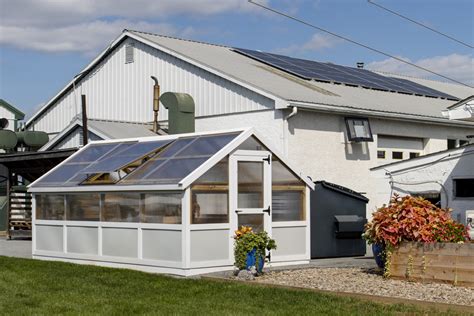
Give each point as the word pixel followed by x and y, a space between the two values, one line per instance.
pixel 433 262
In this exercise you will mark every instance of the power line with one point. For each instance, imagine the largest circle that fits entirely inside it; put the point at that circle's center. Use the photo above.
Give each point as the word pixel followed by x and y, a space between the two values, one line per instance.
pixel 356 43
pixel 420 24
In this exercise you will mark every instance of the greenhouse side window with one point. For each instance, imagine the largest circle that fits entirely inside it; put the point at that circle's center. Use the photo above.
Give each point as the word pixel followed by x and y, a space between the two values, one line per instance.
pixel 358 129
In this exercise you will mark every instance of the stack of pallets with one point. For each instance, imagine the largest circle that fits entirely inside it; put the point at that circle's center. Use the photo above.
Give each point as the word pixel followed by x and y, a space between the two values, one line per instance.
pixel 19 212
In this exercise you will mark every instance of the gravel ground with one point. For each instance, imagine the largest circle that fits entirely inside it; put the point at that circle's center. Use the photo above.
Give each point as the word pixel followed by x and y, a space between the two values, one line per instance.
pixel 371 282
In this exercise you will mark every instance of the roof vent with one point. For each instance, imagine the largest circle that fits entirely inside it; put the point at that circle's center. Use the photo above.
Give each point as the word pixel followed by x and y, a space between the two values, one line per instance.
pixel 360 65
pixel 129 51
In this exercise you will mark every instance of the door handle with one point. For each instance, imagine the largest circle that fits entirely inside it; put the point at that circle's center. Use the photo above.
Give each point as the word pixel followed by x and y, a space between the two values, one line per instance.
pixel 238 211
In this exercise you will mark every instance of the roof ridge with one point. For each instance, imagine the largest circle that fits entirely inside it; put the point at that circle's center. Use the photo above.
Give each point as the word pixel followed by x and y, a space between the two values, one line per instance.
pixel 176 38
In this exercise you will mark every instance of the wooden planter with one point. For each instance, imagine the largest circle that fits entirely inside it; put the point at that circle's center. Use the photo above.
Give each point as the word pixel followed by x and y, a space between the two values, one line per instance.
pixel 433 262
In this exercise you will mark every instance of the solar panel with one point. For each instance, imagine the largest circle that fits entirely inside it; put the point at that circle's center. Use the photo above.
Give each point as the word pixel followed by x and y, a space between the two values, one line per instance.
pixel 308 69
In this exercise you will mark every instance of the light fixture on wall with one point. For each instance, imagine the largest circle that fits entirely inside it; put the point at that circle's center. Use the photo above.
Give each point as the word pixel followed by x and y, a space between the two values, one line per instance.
pixel 358 129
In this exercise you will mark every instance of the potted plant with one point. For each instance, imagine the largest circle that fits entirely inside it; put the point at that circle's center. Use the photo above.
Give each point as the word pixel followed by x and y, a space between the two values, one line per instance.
pixel 250 247
pixel 410 218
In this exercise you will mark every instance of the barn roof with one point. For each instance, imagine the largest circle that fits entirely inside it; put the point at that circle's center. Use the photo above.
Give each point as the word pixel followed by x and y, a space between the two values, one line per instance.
pixel 289 90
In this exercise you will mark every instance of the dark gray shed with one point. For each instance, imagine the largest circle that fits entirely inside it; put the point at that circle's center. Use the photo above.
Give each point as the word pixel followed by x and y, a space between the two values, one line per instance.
pixel 338 215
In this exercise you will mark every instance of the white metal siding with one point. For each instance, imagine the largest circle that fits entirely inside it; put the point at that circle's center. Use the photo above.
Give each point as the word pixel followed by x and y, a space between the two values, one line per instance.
pixel 10 116
pixel 74 139
pixel 124 92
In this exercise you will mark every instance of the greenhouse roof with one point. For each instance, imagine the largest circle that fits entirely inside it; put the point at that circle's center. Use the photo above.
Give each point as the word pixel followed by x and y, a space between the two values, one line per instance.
pixel 165 162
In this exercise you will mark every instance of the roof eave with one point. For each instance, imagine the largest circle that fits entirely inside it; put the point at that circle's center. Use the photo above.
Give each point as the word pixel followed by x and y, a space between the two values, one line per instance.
pixel 337 109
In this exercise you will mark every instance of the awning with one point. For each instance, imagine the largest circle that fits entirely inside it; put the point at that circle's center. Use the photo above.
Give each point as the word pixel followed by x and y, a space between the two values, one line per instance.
pixel 32 165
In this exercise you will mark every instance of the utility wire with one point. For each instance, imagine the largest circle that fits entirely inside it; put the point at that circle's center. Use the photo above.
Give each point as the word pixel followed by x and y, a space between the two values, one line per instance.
pixel 420 24
pixel 356 43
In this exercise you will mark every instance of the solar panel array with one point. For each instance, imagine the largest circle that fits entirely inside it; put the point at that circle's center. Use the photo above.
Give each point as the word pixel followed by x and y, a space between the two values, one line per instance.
pixel 327 72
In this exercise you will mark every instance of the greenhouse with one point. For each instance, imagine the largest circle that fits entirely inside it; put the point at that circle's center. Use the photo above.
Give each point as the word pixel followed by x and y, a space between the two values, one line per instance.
pixel 170 204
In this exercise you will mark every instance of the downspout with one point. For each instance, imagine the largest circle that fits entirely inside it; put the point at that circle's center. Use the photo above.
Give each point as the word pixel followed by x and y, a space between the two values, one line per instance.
pixel 285 127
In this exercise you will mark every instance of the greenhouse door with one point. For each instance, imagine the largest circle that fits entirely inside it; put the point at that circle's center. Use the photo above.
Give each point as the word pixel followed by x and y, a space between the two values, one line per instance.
pixel 250 186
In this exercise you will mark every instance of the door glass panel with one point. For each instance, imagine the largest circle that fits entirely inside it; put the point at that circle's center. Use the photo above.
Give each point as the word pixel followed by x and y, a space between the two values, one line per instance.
pixel 250 184
pixel 252 220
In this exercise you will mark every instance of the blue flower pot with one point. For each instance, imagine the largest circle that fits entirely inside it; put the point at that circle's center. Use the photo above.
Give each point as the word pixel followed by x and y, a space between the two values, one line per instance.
pixel 252 261
pixel 379 254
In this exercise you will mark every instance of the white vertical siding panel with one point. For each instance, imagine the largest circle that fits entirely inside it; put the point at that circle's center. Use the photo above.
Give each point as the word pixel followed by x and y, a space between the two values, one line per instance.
pixel 124 92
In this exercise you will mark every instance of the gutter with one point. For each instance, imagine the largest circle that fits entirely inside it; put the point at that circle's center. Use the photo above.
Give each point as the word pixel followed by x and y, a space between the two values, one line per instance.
pixel 379 114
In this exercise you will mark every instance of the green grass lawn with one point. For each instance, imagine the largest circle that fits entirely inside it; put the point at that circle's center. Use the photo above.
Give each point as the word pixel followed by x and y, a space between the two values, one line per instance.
pixel 40 287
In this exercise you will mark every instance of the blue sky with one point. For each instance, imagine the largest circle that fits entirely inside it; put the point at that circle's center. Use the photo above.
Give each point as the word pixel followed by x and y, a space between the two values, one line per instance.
pixel 44 43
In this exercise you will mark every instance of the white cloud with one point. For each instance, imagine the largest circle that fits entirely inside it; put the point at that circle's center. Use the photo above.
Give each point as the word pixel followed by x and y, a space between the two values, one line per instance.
pixel 84 38
pixel 316 43
pixel 87 26
pixel 456 66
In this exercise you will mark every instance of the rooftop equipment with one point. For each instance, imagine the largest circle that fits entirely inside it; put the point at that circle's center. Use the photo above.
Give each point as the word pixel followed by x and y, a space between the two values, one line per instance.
pixel 156 104
pixel 8 139
pixel 180 112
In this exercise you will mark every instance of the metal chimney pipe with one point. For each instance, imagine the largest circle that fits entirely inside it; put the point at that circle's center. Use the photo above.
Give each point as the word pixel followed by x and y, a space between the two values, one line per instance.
pixel 156 103
pixel 85 131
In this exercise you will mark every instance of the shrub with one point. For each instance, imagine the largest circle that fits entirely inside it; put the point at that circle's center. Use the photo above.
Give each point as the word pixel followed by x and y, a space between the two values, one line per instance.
pixel 246 240
pixel 411 218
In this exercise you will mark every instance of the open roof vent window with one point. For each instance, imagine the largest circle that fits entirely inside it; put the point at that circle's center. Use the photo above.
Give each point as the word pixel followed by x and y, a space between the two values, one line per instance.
pixel 358 129
pixel 129 53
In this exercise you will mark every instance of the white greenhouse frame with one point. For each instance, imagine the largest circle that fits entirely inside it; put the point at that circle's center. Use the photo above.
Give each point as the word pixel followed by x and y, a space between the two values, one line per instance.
pixel 195 248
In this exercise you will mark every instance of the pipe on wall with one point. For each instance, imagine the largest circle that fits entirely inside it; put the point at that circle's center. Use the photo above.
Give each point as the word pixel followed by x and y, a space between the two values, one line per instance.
pixel 285 128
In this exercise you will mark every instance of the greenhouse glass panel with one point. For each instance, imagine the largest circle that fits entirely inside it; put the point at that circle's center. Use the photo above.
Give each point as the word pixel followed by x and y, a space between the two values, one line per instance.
pixel 288 194
pixel 206 145
pixel 50 207
pixel 181 158
pixel 121 207
pixel 83 207
pixel 175 170
pixel 62 174
pixel 250 184
pixel 127 155
pixel 163 208
pixel 92 153
pixel 210 195
pixel 177 146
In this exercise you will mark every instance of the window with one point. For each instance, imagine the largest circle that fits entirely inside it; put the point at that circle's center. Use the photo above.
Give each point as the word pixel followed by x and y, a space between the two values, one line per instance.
pixel 464 187
pixel 83 207
pixel 210 196
pixel 288 194
pixel 455 143
pixel 50 207
pixel 414 155
pixel 121 207
pixel 129 53
pixel 397 154
pixel 451 143
pixel 163 208
pixel 358 129
pixel 381 154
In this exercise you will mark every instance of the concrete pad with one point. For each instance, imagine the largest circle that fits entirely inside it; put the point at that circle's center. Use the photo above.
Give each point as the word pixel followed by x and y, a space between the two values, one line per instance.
pixel 20 248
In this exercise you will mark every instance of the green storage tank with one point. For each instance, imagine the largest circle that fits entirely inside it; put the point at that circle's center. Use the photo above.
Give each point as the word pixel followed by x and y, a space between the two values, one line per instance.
pixel 8 139
pixel 32 138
